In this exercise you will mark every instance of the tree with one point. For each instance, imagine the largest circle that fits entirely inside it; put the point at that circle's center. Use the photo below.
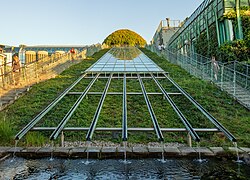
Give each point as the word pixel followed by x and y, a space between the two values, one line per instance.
pixel 124 37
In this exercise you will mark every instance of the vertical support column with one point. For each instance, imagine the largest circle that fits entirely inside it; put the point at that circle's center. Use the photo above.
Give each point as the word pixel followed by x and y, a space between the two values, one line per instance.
pixel 222 78
pixel 62 139
pixel 189 140
pixel 239 27
pixel 247 76
pixel 214 9
pixel 234 80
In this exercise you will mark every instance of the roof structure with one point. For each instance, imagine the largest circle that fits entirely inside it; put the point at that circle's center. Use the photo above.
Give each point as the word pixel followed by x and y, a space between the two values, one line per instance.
pixel 127 59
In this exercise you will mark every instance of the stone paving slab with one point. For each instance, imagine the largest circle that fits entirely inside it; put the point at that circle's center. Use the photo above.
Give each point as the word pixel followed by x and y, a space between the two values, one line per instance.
pixel 29 152
pixel 245 149
pixel 155 149
pixel 140 149
pixel 31 149
pixel 109 150
pixel 172 151
pixel 93 149
pixel 122 149
pixel 233 149
pixel 204 151
pixel 118 152
pixel 217 150
pixel 15 149
pixel 62 151
pixel 45 152
pixel 4 149
pixel 187 151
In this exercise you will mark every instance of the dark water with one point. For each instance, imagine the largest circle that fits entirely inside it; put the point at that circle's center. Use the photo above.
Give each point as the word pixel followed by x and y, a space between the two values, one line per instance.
pixel 65 169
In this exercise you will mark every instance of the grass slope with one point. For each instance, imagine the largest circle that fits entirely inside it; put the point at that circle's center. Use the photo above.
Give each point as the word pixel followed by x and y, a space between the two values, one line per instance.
pixel 232 115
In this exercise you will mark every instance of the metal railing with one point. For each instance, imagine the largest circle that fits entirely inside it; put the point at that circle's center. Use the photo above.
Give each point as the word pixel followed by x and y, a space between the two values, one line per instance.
pixel 233 77
pixel 31 72
pixel 28 72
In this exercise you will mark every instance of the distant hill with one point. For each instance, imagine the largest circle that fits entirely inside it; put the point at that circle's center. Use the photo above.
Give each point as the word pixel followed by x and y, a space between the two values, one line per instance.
pixel 124 37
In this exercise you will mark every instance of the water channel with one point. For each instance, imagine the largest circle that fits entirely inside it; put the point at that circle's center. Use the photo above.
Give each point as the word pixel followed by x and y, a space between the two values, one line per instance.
pixel 116 169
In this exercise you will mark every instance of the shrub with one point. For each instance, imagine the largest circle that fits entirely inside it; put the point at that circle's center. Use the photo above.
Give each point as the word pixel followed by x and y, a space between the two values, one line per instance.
pixel 124 37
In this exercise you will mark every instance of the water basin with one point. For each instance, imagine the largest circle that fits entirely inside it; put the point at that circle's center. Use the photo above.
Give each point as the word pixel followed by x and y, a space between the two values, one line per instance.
pixel 22 168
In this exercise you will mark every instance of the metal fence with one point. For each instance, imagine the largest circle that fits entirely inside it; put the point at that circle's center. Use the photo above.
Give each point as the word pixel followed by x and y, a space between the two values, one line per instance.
pixel 33 70
pixel 29 72
pixel 233 77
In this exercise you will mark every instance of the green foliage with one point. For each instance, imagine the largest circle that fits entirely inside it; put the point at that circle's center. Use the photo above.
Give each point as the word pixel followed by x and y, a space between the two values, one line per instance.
pixel 207 46
pixel 35 139
pixel 225 109
pixel 229 51
pixel 232 115
pixel 238 49
pixel 234 50
pixel 6 131
pixel 124 37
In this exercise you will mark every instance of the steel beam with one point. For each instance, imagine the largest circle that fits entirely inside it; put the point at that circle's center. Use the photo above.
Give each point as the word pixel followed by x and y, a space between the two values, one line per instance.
pixel 150 109
pixel 38 117
pixel 128 129
pixel 205 112
pixel 121 93
pixel 179 113
pixel 124 111
pixel 98 110
pixel 120 77
pixel 60 126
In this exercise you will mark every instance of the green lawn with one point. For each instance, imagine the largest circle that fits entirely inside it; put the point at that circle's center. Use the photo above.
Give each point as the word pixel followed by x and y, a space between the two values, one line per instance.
pixel 232 115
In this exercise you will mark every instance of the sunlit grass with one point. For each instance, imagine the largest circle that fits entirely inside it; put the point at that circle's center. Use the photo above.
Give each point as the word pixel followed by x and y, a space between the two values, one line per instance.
pixel 225 109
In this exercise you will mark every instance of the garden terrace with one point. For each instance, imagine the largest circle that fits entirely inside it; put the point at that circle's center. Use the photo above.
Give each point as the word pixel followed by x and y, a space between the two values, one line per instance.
pixel 136 96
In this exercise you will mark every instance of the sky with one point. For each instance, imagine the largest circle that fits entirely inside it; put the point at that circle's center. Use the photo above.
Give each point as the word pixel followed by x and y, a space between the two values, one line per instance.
pixel 84 22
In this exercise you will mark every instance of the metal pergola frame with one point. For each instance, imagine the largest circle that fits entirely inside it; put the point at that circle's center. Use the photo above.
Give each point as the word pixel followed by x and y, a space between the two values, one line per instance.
pixel 124 75
pixel 124 129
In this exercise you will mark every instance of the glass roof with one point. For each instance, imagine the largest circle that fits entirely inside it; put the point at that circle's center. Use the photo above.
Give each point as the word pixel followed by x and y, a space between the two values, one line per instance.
pixel 124 59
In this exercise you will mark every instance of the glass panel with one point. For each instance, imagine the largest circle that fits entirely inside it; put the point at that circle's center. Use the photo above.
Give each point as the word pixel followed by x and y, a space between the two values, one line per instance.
pixel 119 61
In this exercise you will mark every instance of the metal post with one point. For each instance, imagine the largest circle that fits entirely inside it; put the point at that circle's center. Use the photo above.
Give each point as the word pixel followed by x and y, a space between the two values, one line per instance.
pixel 214 9
pixel 62 139
pixel 239 28
pixel 247 76
pixel 222 74
pixel 234 81
pixel 189 140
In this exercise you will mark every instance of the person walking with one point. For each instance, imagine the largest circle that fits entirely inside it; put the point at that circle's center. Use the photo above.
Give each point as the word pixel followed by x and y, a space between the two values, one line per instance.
pixel 73 53
pixel 16 69
pixel 216 67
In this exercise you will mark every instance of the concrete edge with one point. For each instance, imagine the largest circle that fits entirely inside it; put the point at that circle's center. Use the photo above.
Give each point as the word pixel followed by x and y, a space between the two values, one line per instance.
pixel 118 152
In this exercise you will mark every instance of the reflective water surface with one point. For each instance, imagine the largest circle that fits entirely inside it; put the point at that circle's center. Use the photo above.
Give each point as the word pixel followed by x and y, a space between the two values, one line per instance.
pixel 20 168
